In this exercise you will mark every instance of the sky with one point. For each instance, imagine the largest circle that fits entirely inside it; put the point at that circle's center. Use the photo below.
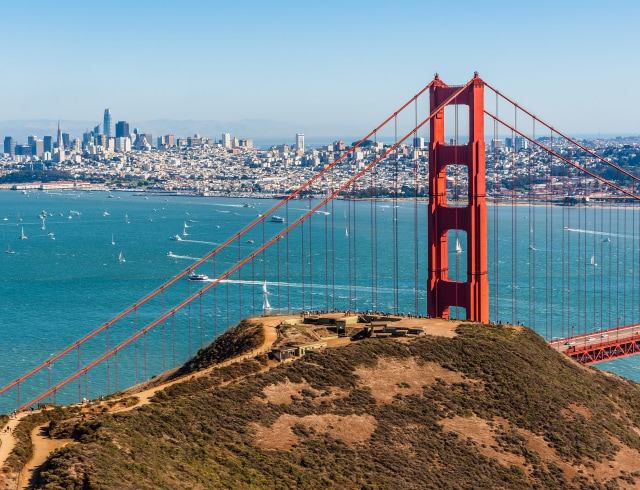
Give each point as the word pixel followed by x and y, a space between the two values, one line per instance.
pixel 330 66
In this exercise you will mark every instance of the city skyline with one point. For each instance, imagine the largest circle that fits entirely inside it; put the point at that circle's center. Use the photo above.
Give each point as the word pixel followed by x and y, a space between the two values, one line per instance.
pixel 315 69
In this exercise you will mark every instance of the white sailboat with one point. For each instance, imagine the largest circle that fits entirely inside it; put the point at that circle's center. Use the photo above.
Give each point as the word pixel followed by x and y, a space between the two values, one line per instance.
pixel 121 258
pixel 112 240
pixel 593 261
pixel 458 247
pixel 126 217
pixel 43 225
pixel 184 232
pixel 22 235
pixel 9 251
pixel 346 232
pixel 265 298
pixel 186 225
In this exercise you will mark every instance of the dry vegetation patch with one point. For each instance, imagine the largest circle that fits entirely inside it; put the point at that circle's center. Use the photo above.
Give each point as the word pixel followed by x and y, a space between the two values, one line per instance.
pixel 284 393
pixel 392 376
pixel 349 429
pixel 574 409
pixel 479 431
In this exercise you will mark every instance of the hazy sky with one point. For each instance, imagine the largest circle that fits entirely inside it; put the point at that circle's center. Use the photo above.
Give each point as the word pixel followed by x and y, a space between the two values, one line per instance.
pixel 573 63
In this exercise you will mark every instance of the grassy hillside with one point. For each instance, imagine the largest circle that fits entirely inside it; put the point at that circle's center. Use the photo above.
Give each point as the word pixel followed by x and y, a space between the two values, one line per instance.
pixel 493 407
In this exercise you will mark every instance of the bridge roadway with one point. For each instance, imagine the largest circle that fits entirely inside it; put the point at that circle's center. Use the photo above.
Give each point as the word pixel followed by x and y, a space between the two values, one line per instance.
pixel 601 345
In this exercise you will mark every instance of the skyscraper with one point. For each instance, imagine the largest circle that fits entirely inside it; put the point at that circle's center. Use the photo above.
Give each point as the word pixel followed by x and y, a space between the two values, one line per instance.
pixel 60 153
pixel 107 123
pixel 226 140
pixel 122 129
pixel 48 144
pixel 10 146
pixel 300 142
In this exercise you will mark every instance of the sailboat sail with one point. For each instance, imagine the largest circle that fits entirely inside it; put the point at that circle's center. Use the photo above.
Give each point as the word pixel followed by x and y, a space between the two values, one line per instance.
pixel 458 247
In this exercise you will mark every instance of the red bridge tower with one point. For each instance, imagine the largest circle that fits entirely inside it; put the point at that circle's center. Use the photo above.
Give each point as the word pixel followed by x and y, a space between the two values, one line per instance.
pixel 443 292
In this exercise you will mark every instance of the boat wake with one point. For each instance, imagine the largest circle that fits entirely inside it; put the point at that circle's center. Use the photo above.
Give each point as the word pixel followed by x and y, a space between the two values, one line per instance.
pixel 199 241
pixel 599 233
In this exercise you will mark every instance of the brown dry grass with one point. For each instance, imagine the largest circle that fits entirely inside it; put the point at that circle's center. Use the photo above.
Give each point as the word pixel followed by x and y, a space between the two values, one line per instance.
pixel 350 429
pixel 393 376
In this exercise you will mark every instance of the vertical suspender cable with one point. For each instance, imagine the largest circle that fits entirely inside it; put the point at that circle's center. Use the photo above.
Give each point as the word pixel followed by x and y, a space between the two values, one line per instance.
pixel 625 210
pixel 548 240
pixel 287 260
pixel 108 364
pixel 162 334
pixel 173 338
pixel 215 303
pixel 144 347
pixel 333 246
pixel 372 236
pixel 79 380
pixel 354 243
pixel 278 268
pixel 416 269
pixel 514 235
pixel 302 261
pixel 239 296
pixel 496 289
pixel 135 343
pixel 326 260
pixel 532 239
pixel 375 302
pixel 310 219
pixel 395 221
pixel 201 333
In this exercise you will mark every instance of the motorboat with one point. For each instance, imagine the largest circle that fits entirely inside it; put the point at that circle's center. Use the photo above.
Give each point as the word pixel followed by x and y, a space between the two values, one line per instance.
pixel 277 219
pixel 176 238
pixel 193 276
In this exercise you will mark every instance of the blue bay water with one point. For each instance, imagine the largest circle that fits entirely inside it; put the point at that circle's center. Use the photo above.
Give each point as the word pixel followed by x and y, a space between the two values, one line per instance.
pixel 55 291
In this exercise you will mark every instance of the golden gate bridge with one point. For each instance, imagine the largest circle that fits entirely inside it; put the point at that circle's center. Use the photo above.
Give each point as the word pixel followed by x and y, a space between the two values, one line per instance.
pixel 544 232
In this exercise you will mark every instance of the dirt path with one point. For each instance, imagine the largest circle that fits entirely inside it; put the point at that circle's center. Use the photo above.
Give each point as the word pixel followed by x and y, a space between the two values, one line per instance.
pixel 43 446
pixel 7 441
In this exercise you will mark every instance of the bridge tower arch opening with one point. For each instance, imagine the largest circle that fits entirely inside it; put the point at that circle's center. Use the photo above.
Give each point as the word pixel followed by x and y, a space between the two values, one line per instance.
pixel 472 294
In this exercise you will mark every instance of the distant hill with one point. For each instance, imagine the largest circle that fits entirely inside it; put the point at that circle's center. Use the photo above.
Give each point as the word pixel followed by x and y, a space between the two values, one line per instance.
pixel 492 407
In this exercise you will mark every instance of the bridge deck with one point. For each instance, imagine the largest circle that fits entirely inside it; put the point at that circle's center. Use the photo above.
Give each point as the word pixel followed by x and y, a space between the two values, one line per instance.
pixel 601 346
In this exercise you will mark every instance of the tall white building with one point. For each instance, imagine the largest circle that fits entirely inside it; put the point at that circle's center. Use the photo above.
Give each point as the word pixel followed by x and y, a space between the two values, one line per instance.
pixel 226 140
pixel 300 142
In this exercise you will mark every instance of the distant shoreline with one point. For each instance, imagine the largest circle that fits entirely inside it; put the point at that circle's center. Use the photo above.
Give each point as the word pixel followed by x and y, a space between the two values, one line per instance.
pixel 490 201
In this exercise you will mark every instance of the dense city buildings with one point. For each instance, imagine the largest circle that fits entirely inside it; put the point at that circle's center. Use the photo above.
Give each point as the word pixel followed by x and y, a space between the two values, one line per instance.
pixel 516 169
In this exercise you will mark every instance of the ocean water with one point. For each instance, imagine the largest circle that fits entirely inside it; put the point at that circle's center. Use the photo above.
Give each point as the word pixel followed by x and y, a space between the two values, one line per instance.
pixel 67 278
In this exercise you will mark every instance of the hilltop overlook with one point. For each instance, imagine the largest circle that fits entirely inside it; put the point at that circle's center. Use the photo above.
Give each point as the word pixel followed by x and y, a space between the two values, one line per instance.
pixel 483 406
